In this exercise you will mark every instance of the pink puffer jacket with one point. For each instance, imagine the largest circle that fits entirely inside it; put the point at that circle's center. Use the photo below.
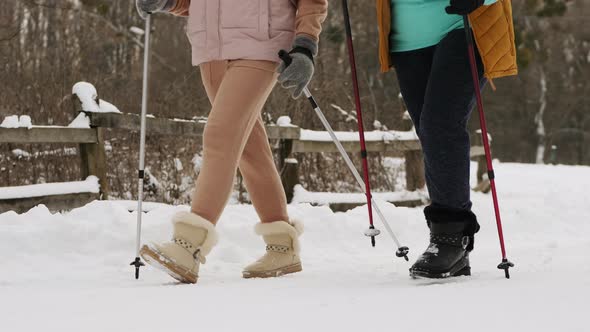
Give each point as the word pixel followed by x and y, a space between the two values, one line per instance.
pixel 248 29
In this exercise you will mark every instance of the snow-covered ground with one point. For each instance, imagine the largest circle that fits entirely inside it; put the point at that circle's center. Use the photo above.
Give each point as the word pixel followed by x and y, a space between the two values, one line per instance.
pixel 69 272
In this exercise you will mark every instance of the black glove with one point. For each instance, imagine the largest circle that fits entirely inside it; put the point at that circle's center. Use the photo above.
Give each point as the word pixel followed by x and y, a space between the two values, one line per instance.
pixel 463 7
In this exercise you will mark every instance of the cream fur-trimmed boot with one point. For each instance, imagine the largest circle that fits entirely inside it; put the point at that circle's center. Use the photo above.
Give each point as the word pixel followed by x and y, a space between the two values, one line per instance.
pixel 192 240
pixel 282 250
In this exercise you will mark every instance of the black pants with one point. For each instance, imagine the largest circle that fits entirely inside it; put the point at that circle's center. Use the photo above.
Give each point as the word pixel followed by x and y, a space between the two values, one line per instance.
pixel 437 86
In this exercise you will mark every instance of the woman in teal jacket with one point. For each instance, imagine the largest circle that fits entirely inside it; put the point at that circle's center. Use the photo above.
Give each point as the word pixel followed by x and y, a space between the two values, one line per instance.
pixel 428 50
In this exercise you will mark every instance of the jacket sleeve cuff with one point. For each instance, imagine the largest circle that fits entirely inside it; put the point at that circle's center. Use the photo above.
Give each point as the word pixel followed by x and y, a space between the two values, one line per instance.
pixel 303 40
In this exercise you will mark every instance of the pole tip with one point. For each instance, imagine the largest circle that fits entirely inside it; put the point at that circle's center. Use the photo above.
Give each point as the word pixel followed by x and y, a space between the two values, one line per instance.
pixel 137 263
pixel 506 265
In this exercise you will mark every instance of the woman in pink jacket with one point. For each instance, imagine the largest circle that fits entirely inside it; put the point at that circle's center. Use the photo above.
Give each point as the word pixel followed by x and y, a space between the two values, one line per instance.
pixel 235 44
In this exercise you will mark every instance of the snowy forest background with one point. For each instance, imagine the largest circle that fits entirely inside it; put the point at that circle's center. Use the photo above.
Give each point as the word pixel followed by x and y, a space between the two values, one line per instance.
pixel 48 45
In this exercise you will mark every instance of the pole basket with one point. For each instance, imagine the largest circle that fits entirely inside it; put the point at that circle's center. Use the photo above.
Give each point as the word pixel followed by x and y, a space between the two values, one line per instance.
pixel 403 252
pixel 372 232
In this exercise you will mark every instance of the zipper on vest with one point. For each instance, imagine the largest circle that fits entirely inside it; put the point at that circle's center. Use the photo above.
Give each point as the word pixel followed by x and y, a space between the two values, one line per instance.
pixel 219 29
pixel 269 17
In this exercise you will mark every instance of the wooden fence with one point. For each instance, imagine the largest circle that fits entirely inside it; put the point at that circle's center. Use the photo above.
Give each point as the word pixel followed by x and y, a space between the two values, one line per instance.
pixel 94 161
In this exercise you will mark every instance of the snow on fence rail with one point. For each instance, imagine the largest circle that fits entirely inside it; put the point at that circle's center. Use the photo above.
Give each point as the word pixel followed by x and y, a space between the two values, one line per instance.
pixel 88 131
pixel 60 196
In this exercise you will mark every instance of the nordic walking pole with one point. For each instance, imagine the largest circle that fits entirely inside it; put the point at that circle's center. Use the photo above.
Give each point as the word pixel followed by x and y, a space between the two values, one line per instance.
pixel 144 99
pixel 372 232
pixel 401 251
pixel 505 265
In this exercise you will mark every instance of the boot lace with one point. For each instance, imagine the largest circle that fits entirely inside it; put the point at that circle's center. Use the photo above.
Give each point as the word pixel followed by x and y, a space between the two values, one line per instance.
pixel 194 251
pixel 450 239
pixel 277 248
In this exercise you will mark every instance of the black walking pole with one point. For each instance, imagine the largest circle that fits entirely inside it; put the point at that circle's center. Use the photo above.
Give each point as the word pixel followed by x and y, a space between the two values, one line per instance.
pixel 505 264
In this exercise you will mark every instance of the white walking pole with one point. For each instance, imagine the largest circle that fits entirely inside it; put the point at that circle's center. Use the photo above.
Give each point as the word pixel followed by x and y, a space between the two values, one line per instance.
pixel 144 99
pixel 401 251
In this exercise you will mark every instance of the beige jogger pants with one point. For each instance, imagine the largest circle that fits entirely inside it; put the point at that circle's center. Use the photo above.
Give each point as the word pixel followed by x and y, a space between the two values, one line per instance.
pixel 234 137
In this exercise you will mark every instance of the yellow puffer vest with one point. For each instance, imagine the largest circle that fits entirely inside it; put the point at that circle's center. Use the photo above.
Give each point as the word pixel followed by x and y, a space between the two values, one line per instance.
pixel 494 35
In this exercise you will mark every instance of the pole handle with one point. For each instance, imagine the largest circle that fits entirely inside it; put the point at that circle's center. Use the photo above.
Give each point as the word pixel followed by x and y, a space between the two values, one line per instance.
pixel 286 57
pixel 467 27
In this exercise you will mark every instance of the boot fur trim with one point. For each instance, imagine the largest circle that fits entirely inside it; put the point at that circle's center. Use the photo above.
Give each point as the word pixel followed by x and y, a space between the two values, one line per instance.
pixel 437 214
pixel 294 229
pixel 195 220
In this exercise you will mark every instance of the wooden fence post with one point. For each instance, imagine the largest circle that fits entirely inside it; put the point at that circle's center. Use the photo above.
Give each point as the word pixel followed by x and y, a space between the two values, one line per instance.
pixel 414 170
pixel 94 162
pixel 406 123
pixel 93 159
pixel 483 184
pixel 241 189
pixel 481 168
pixel 289 168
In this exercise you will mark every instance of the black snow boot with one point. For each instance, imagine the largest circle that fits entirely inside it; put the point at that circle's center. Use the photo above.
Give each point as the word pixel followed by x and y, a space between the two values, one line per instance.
pixel 451 240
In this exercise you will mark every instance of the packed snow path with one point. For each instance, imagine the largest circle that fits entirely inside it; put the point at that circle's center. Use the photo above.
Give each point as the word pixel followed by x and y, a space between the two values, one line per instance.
pixel 69 272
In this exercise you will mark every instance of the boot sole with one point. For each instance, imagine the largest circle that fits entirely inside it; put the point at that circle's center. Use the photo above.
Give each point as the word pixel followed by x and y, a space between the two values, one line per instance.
pixel 273 273
pixel 462 268
pixel 161 262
